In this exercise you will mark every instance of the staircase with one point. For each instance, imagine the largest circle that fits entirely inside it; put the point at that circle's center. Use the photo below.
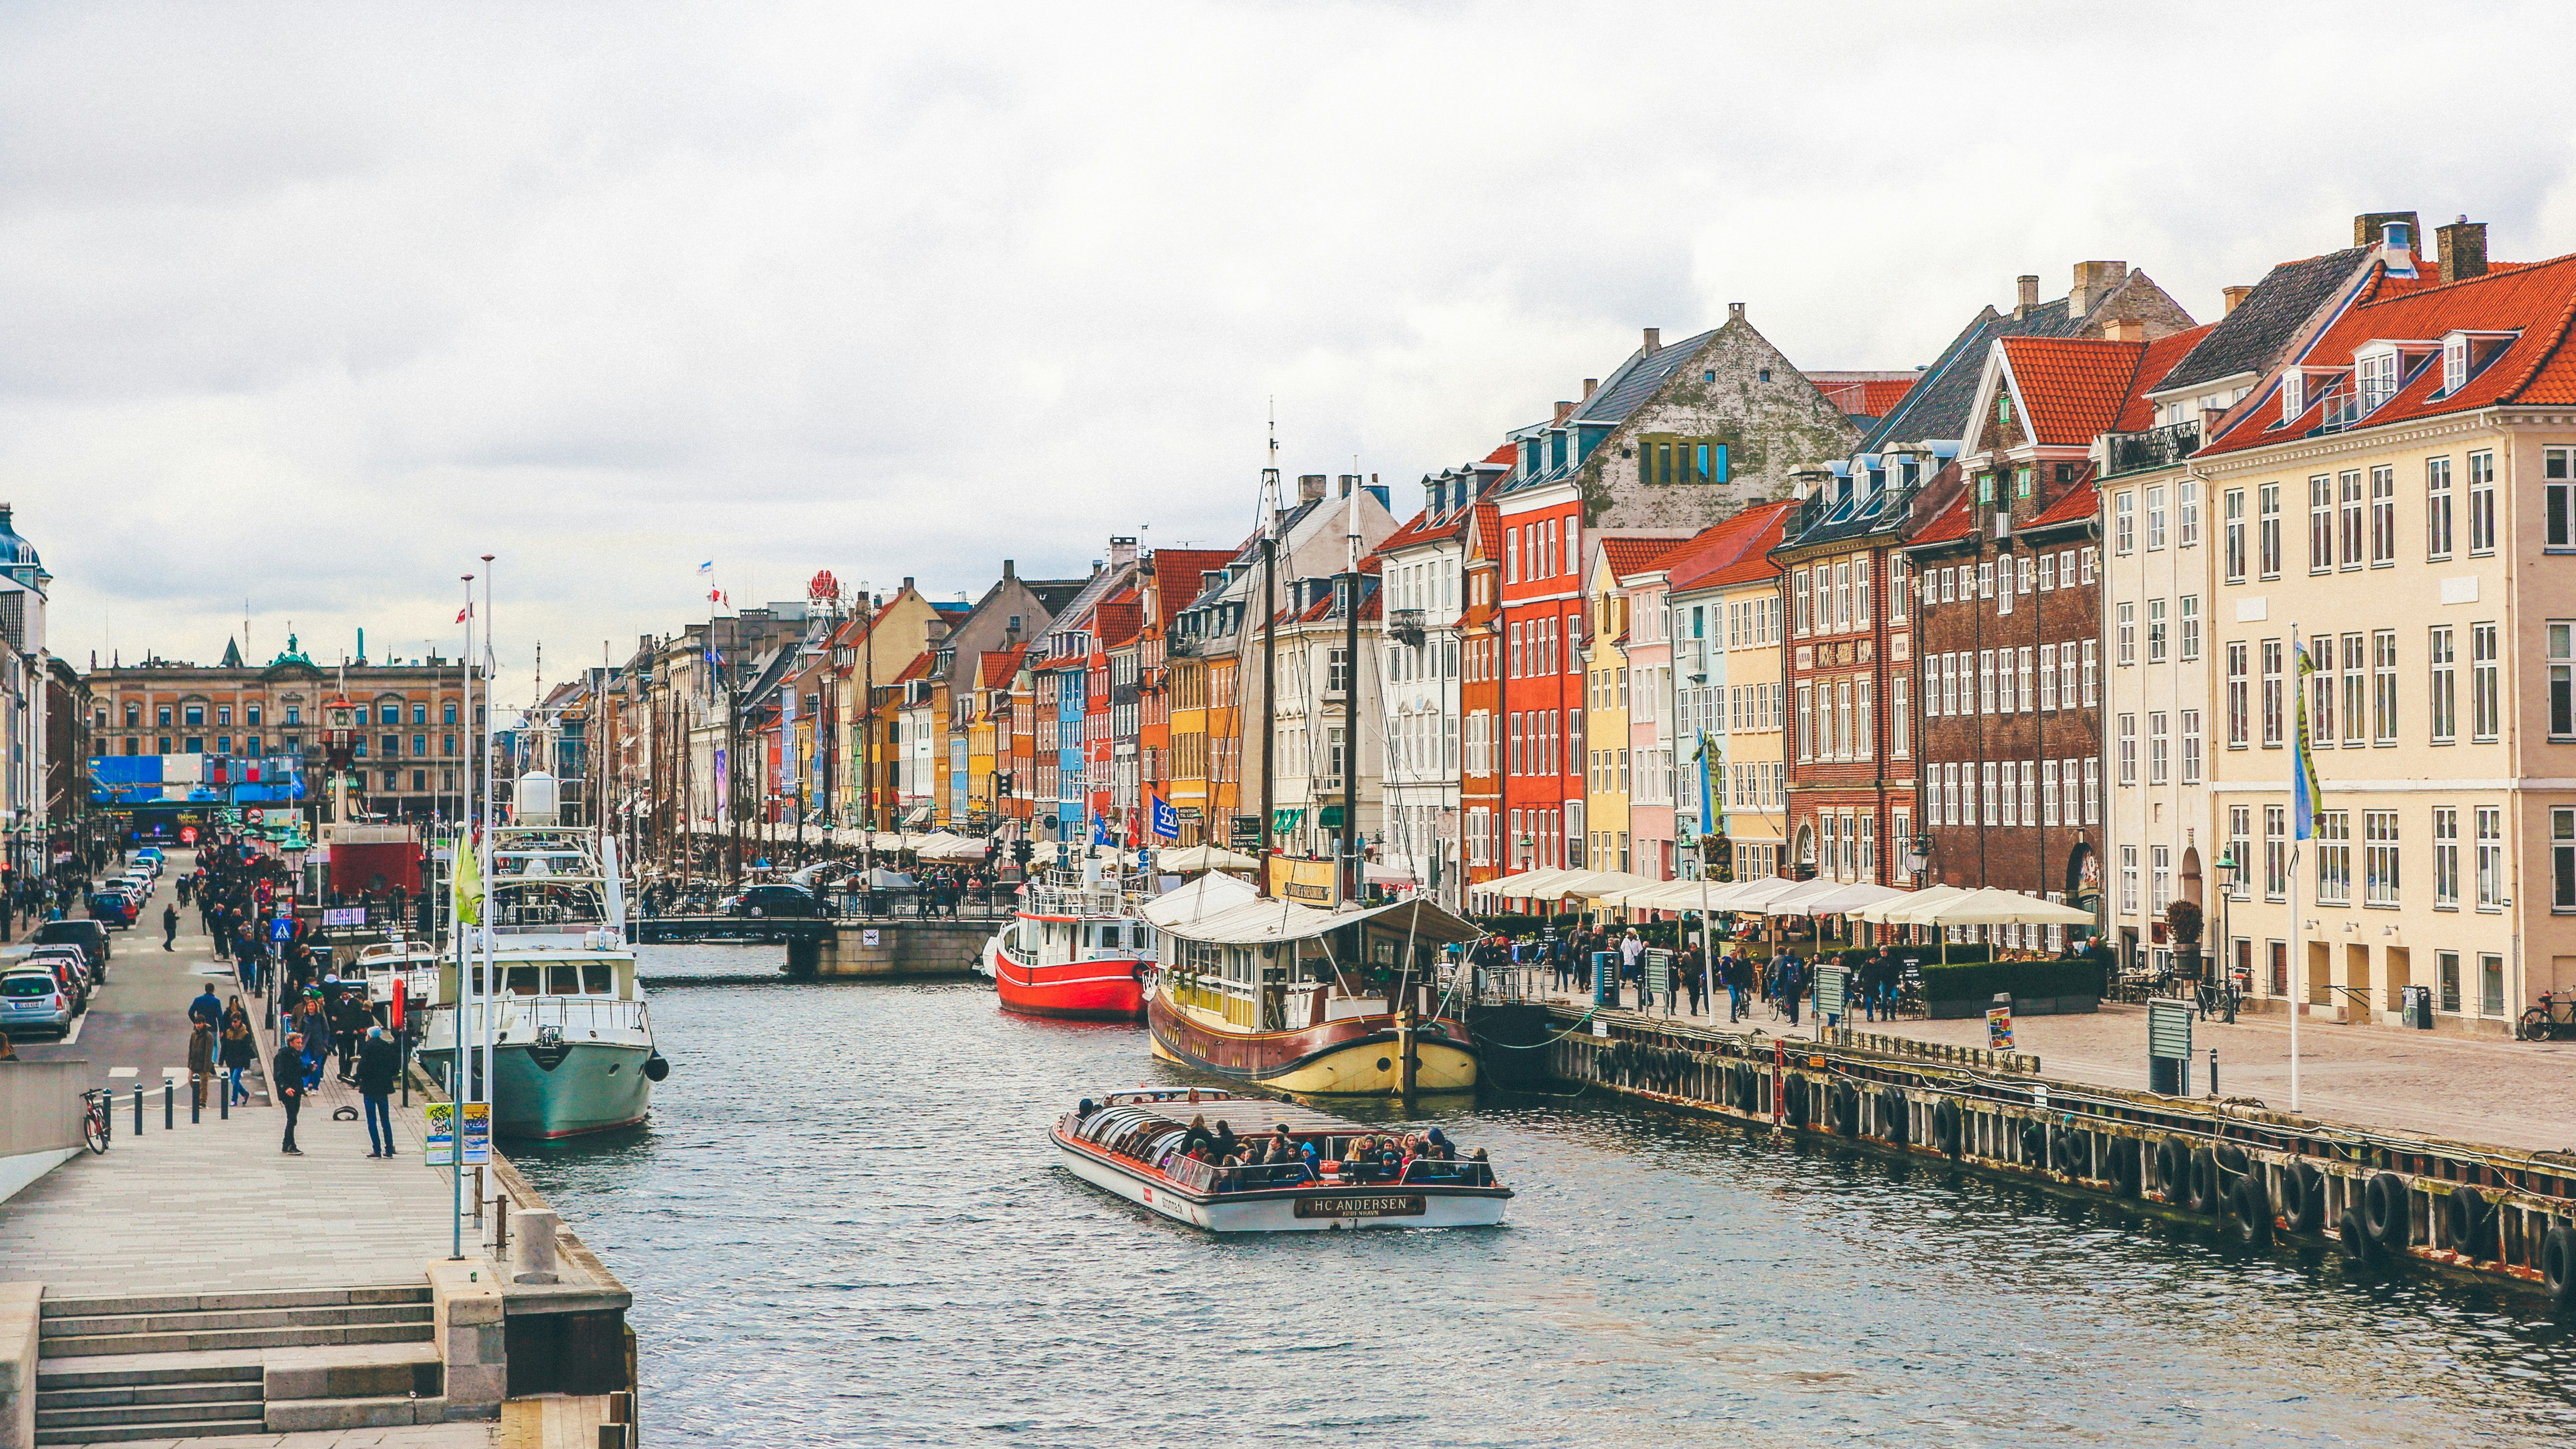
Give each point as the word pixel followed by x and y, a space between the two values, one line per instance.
pixel 118 1370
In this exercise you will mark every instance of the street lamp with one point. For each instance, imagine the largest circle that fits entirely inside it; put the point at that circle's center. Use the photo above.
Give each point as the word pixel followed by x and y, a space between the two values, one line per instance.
pixel 1918 856
pixel 2228 867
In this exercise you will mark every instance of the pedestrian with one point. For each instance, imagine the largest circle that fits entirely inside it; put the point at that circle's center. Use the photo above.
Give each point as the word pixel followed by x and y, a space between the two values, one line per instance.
pixel 201 1062
pixel 1692 976
pixel 349 1021
pixel 1793 981
pixel 1632 952
pixel 239 1051
pixel 206 1008
pixel 169 926
pixel 378 1062
pixel 286 1083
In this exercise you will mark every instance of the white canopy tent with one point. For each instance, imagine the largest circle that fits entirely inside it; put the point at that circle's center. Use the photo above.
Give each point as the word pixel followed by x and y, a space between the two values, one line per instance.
pixel 1528 885
pixel 1901 910
pixel 1847 900
pixel 1191 859
pixel 2003 908
pixel 1211 894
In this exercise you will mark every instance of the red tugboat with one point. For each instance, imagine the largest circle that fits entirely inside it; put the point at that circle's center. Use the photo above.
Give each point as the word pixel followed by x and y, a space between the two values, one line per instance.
pixel 1075 948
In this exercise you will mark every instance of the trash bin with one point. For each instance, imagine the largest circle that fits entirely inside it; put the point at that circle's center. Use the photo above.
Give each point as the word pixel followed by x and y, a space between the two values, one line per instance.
pixel 1605 978
pixel 2416 1006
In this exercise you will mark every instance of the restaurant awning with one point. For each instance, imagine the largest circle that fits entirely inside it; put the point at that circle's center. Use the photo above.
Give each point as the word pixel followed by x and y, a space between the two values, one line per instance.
pixel 1992 907
pixel 1190 859
pixel 1905 910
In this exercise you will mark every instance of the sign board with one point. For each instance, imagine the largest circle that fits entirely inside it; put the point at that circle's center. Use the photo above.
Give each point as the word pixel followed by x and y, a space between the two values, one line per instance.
pixel 1600 1027
pixel 1833 990
pixel 439 1132
pixel 344 915
pixel 1167 821
pixel 1999 1037
pixel 187 835
pixel 280 928
pixel 1392 1206
pixel 2169 1030
pixel 1247 832
pixel 255 815
pixel 1315 883
pixel 870 938
pixel 1659 971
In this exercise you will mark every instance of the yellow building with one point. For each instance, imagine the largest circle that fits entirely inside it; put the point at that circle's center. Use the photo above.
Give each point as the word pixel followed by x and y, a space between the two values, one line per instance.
pixel 1728 621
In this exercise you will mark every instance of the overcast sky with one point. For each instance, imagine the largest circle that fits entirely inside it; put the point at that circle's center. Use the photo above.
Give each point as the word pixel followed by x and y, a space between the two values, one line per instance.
pixel 310 306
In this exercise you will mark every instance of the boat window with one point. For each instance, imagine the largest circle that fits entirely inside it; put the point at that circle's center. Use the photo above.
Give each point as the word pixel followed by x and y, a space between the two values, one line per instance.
pixel 523 980
pixel 567 979
pixel 598 978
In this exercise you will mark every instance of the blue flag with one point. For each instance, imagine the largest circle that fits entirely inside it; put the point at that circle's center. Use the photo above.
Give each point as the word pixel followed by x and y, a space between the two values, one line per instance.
pixel 2303 765
pixel 1167 821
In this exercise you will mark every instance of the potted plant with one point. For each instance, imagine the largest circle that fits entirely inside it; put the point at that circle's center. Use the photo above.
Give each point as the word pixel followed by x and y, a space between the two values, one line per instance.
pixel 2182 920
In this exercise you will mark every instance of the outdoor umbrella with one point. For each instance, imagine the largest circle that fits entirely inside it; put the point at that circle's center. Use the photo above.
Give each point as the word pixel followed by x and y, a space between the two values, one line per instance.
pixel 2004 908
pixel 1906 908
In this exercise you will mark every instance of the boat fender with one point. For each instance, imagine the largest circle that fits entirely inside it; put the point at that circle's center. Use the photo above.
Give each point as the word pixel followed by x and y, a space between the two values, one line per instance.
pixel 1891 1117
pixel 656 1067
pixel 2307 1199
pixel 2250 1208
pixel 1748 1090
pixel 2173 1168
pixel 2070 1152
pixel 2207 1192
pixel 2231 1159
pixel 2469 1217
pixel 1793 1101
pixel 2034 1142
pixel 2354 1239
pixel 1948 1123
pixel 2384 1211
pixel 1846 1103
pixel 2558 1265
pixel 2126 1164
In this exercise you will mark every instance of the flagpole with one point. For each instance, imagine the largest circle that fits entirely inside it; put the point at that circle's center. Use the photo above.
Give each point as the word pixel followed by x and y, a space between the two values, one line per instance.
pixel 2301 823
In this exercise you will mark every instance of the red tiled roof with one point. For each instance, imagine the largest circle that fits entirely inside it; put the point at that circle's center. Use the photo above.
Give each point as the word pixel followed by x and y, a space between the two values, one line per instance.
pixel 1177 573
pixel 1119 620
pixel 2070 387
pixel 1489 530
pixel 1719 555
pixel 1952 524
pixel 1000 664
pixel 1506 454
pixel 2161 357
pixel 2536 300
pixel 1873 397
pixel 1642 555
pixel 919 668
pixel 2081 502
pixel 1419 530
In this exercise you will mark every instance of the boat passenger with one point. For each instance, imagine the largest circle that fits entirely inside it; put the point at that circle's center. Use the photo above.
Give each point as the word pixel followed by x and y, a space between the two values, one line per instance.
pixel 1441 1147
pixel 1225 1144
pixel 1198 1136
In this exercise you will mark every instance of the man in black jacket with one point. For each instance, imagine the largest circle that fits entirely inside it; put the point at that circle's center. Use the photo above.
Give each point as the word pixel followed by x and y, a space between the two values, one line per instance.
pixel 286 1080
pixel 378 1063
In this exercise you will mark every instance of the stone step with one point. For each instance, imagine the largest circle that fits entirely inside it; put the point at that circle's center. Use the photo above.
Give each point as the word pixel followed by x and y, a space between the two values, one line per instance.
pixel 304 1416
pixel 226 1391
pixel 200 1321
pixel 160 1433
pixel 198 1342
pixel 76 1307
pixel 354 1371
pixel 112 1370
pixel 82 1418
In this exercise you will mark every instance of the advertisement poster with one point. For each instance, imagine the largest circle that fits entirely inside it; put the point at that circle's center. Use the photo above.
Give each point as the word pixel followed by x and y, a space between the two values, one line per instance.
pixel 439 1134
pixel 1999 1028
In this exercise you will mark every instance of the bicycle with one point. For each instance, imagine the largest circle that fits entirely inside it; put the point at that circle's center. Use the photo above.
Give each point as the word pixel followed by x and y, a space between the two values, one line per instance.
pixel 2218 996
pixel 2554 1017
pixel 98 1120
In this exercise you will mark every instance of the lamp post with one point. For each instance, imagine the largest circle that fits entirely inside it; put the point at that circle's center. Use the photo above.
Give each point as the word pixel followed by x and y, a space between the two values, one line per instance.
pixel 2227 869
pixel 1918 857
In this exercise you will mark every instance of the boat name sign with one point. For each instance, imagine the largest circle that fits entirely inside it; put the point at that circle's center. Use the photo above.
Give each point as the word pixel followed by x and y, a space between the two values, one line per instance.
pixel 1404 1206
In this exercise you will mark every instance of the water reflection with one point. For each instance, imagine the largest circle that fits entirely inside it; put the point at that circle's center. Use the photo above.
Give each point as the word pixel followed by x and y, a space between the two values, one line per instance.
pixel 843 1226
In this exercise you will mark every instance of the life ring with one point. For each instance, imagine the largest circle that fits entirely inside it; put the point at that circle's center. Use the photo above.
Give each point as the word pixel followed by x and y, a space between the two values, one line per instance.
pixel 2354 1239
pixel 2034 1142
pixel 2558 1264
pixel 2307 1198
pixel 2070 1152
pixel 1846 1109
pixel 1793 1100
pixel 2207 1193
pixel 2249 1208
pixel 2468 1219
pixel 2384 1212
pixel 2126 1164
pixel 2173 1168
pixel 1948 1126
pixel 1892 1124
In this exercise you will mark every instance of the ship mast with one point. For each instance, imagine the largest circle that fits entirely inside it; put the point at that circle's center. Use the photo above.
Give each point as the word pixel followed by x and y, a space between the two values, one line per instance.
pixel 1269 645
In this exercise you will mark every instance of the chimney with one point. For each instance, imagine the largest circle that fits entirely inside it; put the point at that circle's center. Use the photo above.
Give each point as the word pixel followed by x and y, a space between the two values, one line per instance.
pixel 2025 294
pixel 907 583
pixel 2093 282
pixel 2233 295
pixel 1122 550
pixel 2124 330
pixel 2397 247
pixel 1009 569
pixel 1564 410
pixel 1734 311
pixel 1310 487
pixel 2369 227
pixel 1589 384
pixel 1654 339
pixel 2464 250
pixel 1349 481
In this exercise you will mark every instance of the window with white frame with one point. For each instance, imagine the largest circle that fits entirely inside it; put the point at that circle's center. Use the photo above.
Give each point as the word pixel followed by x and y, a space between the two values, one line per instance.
pixel 2157 637
pixel 2187 513
pixel 2191 747
pixel 2490 846
pixel 2092 659
pixel 2379 857
pixel 2383 687
pixel 2561 636
pixel 2486 700
pixel 2128 880
pixel 2558 499
pixel 2124 633
pixel 2441 694
pixel 2128 749
pixel 2375 376
pixel 2276 852
pixel 2437 508
pixel 2272 701
pixel 2188 612
pixel 2334 857
pixel 2562 860
pixel 2446 858
pixel 2231 512
pixel 2482 503
pixel 2155 518
pixel 2124 523
pixel 2383 516
pixel 2240 849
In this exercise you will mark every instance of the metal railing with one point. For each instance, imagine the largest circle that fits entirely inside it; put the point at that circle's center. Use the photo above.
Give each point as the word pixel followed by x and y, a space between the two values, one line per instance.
pixel 2154 448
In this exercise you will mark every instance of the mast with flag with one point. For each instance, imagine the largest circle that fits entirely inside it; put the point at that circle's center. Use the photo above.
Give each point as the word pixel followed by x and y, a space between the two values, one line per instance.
pixel 2303 815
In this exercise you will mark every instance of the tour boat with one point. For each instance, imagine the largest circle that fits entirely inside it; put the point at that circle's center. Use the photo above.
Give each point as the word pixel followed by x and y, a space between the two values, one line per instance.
pixel 1130 1143
pixel 1075 947
pixel 1324 1003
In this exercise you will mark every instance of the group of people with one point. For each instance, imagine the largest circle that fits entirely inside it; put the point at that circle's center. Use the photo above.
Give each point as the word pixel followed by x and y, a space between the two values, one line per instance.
pixel 220 1047
pixel 1376 1157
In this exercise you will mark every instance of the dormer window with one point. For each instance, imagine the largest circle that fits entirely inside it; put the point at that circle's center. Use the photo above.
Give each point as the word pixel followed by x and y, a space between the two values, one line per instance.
pixel 2375 374
pixel 2294 395
pixel 2455 362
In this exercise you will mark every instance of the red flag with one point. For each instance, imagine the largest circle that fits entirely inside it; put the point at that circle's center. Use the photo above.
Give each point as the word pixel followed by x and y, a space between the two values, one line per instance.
pixel 461 613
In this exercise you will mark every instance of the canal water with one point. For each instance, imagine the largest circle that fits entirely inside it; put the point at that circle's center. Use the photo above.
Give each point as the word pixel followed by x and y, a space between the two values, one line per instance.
pixel 843 1226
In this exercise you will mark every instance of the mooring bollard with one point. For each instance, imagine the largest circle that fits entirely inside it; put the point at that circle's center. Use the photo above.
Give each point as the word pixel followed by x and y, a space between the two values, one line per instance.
pixel 138 1109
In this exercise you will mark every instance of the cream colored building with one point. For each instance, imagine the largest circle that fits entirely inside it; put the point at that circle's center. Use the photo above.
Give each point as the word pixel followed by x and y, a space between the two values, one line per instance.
pixel 2406 486
pixel 1729 684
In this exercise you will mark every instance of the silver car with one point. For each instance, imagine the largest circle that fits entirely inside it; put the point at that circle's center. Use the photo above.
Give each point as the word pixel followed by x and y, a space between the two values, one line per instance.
pixel 32 1000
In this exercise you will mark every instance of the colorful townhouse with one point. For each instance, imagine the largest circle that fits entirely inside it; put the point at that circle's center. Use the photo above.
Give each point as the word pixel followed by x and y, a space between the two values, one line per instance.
pixel 1728 698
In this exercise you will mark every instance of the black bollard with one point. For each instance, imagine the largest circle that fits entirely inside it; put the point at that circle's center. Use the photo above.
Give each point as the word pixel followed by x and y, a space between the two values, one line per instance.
pixel 169 1103
pixel 224 1086
pixel 2213 1071
pixel 138 1109
pixel 196 1101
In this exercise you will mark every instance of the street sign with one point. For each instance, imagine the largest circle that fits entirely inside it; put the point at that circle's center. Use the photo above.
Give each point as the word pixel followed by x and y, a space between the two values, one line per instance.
pixel 280 929
pixel 187 834
pixel 344 915
pixel 255 815
pixel 1247 832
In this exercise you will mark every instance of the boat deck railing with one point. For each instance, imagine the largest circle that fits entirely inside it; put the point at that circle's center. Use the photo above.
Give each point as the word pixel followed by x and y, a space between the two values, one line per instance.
pixel 570 1014
pixel 1210 1177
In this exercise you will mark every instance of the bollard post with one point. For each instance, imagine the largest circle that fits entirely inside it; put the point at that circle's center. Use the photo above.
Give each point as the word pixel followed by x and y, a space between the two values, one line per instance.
pixel 224 1095
pixel 138 1109
pixel 169 1103
pixel 2213 1071
pixel 196 1101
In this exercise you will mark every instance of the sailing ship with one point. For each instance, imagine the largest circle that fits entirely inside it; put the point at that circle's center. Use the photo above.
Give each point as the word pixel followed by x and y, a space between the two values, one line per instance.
pixel 571 1042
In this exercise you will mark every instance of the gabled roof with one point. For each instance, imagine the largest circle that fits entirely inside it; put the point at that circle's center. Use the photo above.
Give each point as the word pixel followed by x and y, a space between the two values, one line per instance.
pixel 1636 380
pixel 919 668
pixel 2250 338
pixel 2156 364
pixel 1628 556
pixel 995 665
pixel 2535 303
pixel 2079 503
pixel 1119 621
pixel 2070 388
pixel 1734 552
pixel 1177 577
pixel 1423 528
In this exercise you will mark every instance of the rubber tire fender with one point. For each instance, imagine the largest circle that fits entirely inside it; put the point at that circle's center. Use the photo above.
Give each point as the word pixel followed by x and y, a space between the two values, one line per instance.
pixel 1847 1110
pixel 2173 1168
pixel 1793 1100
pixel 2558 1264
pixel 1892 1124
pixel 2384 1212
pixel 2072 1152
pixel 2034 1142
pixel 2249 1208
pixel 2208 1191
pixel 1743 1093
pixel 2307 1199
pixel 2126 1162
pixel 1949 1126
pixel 656 1067
pixel 2354 1239
pixel 2231 1158
pixel 2468 1217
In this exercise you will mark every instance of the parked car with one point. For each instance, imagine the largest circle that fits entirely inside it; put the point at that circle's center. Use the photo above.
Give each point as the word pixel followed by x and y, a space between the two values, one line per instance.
pixel 64 962
pixel 114 908
pixel 31 999
pixel 771 900
pixel 90 936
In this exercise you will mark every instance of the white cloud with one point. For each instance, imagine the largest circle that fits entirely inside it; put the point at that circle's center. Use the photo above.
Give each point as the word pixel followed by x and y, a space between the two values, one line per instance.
pixel 314 304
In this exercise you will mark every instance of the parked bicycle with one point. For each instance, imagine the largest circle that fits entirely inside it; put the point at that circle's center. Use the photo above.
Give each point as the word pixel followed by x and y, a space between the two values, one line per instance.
pixel 2553 1018
pixel 2219 996
pixel 98 1123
